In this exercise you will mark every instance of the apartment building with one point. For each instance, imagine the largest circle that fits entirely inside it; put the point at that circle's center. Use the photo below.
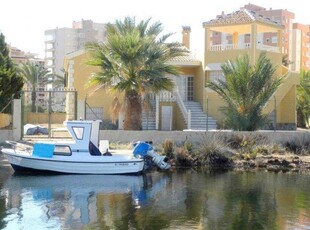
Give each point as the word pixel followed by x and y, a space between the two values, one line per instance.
pixel 300 50
pixel 62 41
pixel 18 56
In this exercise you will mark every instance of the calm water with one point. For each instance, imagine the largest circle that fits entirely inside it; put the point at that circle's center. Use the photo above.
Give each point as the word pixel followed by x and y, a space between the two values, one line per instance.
pixel 178 200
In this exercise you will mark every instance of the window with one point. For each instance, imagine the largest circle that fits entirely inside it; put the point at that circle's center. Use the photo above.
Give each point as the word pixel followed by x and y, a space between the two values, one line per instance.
pixel 78 131
pixel 274 39
pixel 216 75
pixel 190 88
pixel 62 150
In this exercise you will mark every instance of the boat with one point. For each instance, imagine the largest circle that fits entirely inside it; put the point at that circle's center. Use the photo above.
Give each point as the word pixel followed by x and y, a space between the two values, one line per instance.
pixel 81 155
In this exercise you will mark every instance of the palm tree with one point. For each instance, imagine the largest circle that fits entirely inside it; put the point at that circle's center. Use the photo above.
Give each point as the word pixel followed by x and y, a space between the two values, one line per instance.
pixel 246 90
pixel 35 75
pixel 134 61
pixel 303 100
pixel 58 81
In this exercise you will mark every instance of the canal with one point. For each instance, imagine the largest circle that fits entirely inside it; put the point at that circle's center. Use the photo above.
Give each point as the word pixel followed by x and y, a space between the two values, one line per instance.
pixel 181 199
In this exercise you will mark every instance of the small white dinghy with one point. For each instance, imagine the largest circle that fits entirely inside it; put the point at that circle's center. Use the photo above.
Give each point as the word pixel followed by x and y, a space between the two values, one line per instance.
pixel 80 156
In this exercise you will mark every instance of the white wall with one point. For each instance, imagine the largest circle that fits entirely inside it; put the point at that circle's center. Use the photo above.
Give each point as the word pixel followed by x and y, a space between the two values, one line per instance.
pixel 158 137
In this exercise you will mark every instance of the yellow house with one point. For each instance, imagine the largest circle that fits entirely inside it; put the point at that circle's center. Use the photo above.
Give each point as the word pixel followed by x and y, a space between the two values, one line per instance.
pixel 169 110
pixel 188 105
pixel 243 32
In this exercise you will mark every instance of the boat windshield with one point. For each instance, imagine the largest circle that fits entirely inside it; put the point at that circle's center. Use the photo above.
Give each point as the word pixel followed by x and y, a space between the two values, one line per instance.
pixel 78 132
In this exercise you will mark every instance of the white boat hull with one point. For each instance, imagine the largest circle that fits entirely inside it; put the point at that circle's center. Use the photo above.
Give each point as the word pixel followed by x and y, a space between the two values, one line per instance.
pixel 63 164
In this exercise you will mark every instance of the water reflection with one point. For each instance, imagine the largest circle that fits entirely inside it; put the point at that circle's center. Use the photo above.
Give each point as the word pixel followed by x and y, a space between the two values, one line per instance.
pixel 71 201
pixel 157 200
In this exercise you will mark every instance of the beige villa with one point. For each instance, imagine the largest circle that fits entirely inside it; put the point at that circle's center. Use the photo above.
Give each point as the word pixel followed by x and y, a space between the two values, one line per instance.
pixel 192 105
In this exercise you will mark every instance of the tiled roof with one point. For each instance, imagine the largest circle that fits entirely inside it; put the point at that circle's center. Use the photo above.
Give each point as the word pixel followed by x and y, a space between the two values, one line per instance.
pixel 243 16
pixel 188 60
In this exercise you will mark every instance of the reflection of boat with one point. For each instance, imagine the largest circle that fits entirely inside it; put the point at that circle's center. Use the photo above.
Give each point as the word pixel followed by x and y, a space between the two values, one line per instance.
pixel 78 184
pixel 82 156
pixel 63 198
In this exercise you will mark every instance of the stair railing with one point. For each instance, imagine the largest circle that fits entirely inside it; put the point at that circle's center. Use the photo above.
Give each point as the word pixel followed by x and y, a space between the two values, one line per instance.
pixel 186 113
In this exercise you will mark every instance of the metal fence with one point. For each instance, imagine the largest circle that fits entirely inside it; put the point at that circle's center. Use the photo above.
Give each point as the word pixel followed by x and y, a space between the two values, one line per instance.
pixel 209 116
pixel 43 112
pixel 98 113
pixel 281 114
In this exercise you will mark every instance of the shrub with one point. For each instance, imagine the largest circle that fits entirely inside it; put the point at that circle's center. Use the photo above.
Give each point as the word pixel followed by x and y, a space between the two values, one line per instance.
pixel 188 146
pixel 214 153
pixel 183 158
pixel 299 146
pixel 168 148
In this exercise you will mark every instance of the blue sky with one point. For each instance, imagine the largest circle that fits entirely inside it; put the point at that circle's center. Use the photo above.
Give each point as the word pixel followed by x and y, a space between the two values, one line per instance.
pixel 23 22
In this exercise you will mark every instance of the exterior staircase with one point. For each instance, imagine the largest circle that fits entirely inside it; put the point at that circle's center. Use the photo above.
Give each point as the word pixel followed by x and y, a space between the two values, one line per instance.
pixel 199 120
pixel 290 80
pixel 148 118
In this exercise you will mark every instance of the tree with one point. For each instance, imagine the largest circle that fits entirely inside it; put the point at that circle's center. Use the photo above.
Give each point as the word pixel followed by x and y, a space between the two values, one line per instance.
pixel 58 81
pixel 10 82
pixel 134 61
pixel 34 74
pixel 246 90
pixel 303 100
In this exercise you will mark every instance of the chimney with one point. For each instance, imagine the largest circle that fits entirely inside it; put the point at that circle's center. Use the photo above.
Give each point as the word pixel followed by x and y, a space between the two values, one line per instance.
pixel 186 31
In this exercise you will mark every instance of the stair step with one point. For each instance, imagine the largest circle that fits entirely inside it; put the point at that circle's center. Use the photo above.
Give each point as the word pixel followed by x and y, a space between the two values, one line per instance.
pixel 149 122
pixel 199 120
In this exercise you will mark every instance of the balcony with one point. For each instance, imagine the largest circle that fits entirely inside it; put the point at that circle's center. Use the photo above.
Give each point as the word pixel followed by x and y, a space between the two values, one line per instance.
pixel 52 49
pixel 244 46
pixel 223 47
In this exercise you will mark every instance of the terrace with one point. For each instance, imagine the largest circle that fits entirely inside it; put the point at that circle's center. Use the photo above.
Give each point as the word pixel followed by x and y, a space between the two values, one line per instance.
pixel 243 30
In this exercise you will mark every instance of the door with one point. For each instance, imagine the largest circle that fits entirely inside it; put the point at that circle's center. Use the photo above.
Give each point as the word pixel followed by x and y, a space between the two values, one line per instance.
pixel 185 86
pixel 166 118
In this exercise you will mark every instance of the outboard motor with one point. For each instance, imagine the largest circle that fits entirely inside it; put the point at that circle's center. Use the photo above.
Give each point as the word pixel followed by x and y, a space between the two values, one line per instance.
pixel 143 150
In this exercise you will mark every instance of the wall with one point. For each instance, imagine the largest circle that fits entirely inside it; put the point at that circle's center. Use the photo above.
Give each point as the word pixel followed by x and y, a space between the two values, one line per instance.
pixel 6 134
pixel 94 98
pixel 178 137
pixel 5 119
pixel 42 118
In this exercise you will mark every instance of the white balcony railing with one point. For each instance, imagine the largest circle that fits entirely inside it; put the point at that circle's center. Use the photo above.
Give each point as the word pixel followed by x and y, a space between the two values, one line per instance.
pixel 223 47
pixel 242 46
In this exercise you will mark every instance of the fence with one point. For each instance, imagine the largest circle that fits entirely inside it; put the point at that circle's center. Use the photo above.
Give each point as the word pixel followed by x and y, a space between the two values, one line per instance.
pixel 48 115
pixel 43 112
pixel 210 115
pixel 281 114
pixel 98 113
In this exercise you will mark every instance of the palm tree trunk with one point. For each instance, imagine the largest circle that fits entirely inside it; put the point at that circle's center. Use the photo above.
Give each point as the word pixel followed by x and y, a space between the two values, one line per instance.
pixel 133 111
pixel 33 101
